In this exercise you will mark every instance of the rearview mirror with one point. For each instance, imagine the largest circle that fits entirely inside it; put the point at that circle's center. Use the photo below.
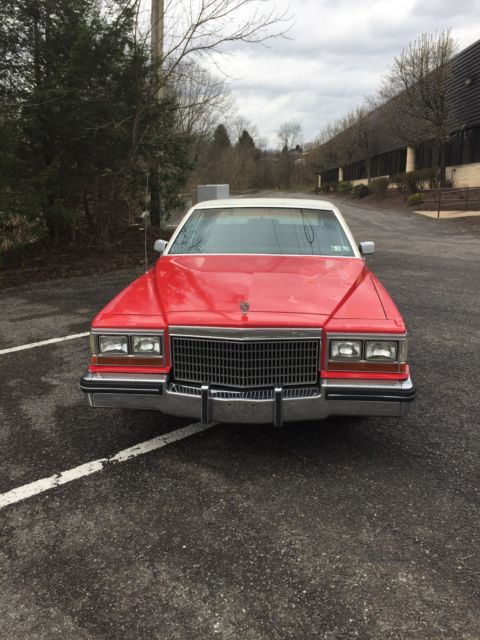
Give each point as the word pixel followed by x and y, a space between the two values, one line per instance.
pixel 367 248
pixel 159 246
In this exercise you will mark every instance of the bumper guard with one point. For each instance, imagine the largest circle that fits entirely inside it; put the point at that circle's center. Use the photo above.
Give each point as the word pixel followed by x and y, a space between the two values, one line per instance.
pixel 260 406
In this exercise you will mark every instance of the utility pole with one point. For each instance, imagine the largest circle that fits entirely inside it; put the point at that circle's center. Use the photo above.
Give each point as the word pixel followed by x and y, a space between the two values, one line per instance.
pixel 157 28
pixel 157 31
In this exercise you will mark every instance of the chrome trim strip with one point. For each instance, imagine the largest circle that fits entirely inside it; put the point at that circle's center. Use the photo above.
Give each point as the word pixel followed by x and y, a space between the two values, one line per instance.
pixel 374 385
pixel 127 332
pixel 128 378
pixel 123 389
pixel 274 255
pixel 233 333
pixel 366 336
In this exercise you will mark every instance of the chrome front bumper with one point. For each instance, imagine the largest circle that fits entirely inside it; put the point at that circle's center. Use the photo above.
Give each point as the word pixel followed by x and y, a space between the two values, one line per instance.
pixel 267 406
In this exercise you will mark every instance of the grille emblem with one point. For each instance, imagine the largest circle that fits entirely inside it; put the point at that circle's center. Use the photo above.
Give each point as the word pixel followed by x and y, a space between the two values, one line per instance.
pixel 244 307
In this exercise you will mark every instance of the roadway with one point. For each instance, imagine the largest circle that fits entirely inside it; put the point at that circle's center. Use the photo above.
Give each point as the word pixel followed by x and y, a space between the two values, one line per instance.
pixel 339 530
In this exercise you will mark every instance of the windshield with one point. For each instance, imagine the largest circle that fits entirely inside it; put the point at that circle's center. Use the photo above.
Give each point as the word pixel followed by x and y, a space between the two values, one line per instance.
pixel 264 231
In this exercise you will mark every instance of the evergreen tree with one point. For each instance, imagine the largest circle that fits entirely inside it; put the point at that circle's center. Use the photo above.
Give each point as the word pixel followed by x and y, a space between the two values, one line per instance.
pixel 79 120
pixel 245 141
pixel 221 139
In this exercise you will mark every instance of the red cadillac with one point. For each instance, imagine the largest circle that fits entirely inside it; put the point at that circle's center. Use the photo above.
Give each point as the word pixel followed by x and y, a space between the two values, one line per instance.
pixel 257 311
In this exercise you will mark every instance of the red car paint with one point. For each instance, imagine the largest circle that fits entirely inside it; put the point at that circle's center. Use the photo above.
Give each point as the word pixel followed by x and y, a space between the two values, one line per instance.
pixel 337 294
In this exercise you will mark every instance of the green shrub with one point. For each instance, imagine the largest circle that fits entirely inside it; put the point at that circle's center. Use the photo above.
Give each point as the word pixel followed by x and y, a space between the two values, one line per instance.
pixel 360 191
pixel 426 178
pixel 397 180
pixel 379 187
pixel 344 186
pixel 415 198
pixel 411 181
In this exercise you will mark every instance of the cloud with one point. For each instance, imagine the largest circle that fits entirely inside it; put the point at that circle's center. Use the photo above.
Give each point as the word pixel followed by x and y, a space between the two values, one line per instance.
pixel 336 54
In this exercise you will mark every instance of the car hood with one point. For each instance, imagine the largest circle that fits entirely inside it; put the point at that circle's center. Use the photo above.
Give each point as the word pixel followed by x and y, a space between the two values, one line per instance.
pixel 300 285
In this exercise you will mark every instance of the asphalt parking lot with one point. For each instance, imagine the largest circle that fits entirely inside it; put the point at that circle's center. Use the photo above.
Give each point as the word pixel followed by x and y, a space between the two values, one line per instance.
pixel 339 530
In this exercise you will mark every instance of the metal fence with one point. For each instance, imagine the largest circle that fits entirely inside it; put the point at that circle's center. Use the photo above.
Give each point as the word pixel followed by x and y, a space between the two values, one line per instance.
pixel 465 199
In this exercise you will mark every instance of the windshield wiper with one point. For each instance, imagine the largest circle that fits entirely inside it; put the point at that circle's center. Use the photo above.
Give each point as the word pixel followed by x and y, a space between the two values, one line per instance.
pixel 307 229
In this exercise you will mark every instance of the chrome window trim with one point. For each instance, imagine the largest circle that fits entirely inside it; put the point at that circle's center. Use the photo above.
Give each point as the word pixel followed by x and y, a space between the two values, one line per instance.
pixel 271 204
pixel 273 255
pixel 234 333
pixel 400 338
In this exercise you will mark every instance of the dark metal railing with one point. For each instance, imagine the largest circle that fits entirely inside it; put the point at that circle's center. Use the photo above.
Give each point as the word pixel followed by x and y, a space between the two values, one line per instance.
pixel 452 199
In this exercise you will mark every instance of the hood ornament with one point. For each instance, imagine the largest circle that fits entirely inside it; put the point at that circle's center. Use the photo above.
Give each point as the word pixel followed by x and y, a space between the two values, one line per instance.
pixel 244 307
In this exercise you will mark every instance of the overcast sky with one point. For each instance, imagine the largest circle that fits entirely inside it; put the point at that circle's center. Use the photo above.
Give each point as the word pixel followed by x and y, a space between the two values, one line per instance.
pixel 337 53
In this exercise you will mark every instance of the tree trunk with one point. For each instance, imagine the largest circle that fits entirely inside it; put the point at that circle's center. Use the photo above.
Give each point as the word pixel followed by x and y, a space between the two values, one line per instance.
pixel 442 162
pixel 155 200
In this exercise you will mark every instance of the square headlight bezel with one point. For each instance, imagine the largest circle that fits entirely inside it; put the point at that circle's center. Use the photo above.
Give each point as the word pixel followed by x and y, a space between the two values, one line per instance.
pixel 131 358
pixel 401 341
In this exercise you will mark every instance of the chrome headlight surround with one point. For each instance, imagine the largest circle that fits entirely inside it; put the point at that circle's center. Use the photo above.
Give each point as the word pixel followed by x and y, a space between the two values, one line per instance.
pixel 390 342
pixel 130 340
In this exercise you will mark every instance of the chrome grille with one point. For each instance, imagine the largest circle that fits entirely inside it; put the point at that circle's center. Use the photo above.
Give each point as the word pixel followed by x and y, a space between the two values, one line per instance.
pixel 245 364
pixel 292 393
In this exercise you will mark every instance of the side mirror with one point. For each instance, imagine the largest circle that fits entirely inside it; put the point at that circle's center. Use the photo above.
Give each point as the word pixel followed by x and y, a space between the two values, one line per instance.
pixel 159 246
pixel 367 248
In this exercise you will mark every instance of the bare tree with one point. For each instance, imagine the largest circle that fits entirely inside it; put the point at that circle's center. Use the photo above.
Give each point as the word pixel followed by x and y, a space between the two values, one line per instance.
pixel 417 85
pixel 328 148
pixel 238 125
pixel 194 29
pixel 203 100
pixel 353 141
pixel 290 134
pixel 183 33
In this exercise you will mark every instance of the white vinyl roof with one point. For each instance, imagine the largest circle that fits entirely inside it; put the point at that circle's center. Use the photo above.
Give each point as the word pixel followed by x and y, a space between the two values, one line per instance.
pixel 289 203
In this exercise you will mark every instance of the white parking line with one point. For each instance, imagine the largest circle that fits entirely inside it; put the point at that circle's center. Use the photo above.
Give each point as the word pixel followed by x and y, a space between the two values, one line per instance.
pixel 32 345
pixel 45 484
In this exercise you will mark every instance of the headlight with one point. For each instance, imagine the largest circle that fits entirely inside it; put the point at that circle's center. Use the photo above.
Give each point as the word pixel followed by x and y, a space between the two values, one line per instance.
pixel 146 346
pixel 113 345
pixel 346 349
pixel 380 350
